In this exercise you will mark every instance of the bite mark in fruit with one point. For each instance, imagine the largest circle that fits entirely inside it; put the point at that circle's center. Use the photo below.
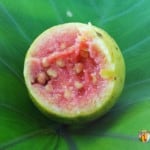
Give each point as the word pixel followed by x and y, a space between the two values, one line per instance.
pixel 74 76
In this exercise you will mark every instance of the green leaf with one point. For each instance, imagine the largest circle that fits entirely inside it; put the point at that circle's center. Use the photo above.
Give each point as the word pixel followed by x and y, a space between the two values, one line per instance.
pixel 22 126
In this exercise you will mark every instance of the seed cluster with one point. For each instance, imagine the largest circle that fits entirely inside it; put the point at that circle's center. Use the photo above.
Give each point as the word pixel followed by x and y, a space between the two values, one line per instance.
pixel 49 73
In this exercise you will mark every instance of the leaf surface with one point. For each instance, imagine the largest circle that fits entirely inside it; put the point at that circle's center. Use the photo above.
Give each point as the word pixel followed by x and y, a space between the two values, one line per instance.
pixel 22 126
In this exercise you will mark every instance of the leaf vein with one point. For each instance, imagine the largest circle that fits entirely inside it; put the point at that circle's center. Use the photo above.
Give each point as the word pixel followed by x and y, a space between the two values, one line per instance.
pixel 20 30
pixel 25 137
pixel 65 133
pixel 12 108
pixel 136 45
pixel 130 9
pixel 117 136
pixel 56 11
pixel 11 70
pixel 137 83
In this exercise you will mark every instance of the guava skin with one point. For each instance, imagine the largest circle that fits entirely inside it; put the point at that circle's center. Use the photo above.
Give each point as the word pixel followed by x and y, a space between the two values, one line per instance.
pixel 118 79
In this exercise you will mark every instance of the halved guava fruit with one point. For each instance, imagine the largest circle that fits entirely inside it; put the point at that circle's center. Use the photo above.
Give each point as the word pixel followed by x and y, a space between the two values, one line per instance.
pixel 74 72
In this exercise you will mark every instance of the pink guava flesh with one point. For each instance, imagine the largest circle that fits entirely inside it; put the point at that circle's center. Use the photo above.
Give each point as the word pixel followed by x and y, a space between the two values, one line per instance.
pixel 65 69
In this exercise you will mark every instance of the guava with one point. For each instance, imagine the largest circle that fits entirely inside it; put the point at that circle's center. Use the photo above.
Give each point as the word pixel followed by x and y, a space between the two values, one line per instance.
pixel 74 72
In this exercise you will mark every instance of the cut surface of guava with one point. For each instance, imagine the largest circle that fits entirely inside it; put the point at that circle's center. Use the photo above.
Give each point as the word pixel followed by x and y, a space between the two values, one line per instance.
pixel 74 72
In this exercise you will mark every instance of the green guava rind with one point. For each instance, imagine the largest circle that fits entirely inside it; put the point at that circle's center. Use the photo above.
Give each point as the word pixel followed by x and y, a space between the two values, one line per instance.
pixel 106 104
